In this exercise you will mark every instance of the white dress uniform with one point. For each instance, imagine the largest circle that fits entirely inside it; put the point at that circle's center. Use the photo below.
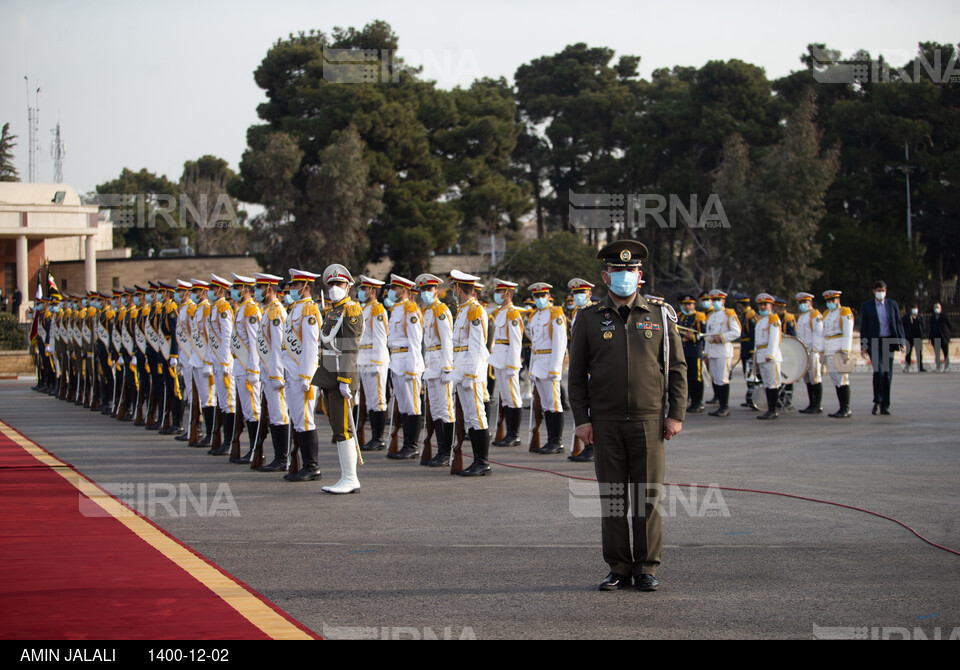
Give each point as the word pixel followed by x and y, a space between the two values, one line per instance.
pixel 185 343
pixel 300 359
pixel 405 340
pixel 202 361
pixel 246 365
pixel 270 351
pixel 767 349
pixel 438 358
pixel 720 355
pixel 810 332
pixel 548 338
pixel 373 359
pixel 505 359
pixel 219 333
pixel 470 363
pixel 837 337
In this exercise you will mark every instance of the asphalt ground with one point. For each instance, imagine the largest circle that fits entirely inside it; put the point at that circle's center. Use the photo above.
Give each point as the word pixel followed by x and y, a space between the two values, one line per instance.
pixel 421 554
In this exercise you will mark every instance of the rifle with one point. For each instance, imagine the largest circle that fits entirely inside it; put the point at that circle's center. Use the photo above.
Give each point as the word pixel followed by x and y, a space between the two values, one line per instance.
pixel 141 394
pixel 235 444
pixel 456 463
pixel 427 454
pixel 536 418
pixel 394 428
pixel 362 420
pixel 576 447
pixel 217 440
pixel 262 429
pixel 194 414
pixel 293 452
pixel 152 405
pixel 501 432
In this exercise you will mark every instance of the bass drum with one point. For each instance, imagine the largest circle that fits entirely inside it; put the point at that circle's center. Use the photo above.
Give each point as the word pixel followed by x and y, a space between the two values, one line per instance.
pixel 759 397
pixel 795 360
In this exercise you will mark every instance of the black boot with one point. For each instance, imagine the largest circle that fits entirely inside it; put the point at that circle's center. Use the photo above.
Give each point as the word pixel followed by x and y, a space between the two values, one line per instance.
pixel 554 445
pixel 585 455
pixel 512 417
pixel 843 397
pixel 772 396
pixel 723 397
pixel 228 424
pixel 252 436
pixel 480 441
pixel 412 425
pixel 815 391
pixel 280 435
pixel 309 457
pixel 378 421
pixel 209 413
pixel 716 396
pixel 444 434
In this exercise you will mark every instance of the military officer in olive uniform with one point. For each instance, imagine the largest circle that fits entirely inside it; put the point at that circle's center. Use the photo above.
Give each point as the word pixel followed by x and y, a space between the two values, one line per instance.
pixel 628 391
pixel 337 375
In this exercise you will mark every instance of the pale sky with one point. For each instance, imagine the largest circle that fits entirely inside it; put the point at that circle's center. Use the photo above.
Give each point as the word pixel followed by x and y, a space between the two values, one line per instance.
pixel 149 84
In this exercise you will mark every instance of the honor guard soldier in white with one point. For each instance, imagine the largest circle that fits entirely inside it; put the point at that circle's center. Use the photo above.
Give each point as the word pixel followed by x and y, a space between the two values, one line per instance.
pixel 838 339
pixel 374 360
pixel 505 359
pixel 246 361
pixel 766 341
pixel 270 350
pixel 301 355
pixel 438 358
pixel 337 376
pixel 468 376
pixel 548 338
pixel 810 332
pixel 723 329
pixel 203 363
pixel 405 339
pixel 185 311
pixel 220 334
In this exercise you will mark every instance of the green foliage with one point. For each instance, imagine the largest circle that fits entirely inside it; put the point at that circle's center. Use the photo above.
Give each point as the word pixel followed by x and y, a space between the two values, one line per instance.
pixel 12 337
pixel 7 170
pixel 217 222
pixel 555 259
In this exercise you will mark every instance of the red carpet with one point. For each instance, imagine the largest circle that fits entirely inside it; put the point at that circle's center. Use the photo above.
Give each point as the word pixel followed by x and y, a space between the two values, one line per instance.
pixel 67 575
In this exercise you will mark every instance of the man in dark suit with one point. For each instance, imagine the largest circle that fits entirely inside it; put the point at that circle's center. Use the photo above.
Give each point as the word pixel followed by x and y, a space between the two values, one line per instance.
pixel 940 330
pixel 881 334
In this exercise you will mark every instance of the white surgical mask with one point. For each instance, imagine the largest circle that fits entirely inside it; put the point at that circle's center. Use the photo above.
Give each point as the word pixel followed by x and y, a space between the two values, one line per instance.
pixel 880 295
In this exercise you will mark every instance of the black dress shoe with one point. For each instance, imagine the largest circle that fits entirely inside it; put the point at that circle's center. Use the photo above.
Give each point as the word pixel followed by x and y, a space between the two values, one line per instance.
pixel 876 408
pixel 647 583
pixel 885 412
pixel 614 582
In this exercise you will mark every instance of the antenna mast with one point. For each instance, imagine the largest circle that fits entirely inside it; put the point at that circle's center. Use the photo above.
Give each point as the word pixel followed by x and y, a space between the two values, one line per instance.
pixel 57 152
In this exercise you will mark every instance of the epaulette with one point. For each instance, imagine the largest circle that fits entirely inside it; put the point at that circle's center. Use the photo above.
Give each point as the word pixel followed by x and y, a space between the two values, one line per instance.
pixel 513 313
pixel 310 309
pixel 729 312
pixel 377 309
pixel 774 320
pixel 846 311
pixel 556 312
pixel 476 311
pixel 169 307
pixel 191 308
pixel 354 308
pixel 789 318
pixel 700 317
pixel 251 310
pixel 410 306
pixel 814 314
pixel 224 306
pixel 748 313
pixel 273 312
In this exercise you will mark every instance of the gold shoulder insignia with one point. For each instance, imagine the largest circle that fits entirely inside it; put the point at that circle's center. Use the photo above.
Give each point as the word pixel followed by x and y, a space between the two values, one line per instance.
pixel 355 309
pixel 310 309
pixel 377 309
pixel 846 311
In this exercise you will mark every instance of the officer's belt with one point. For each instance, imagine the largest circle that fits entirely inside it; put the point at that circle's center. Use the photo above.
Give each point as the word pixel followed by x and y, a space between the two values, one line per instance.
pixel 457 350
pixel 832 337
pixel 501 341
pixel 366 346
pixel 399 350
pixel 542 351
pixel 435 348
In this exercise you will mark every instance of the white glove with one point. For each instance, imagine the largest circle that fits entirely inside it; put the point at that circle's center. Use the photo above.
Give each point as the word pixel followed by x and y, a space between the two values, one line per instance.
pixel 345 390
pixel 277 384
pixel 305 384
pixel 453 377
pixel 253 377
pixel 207 371
pixel 173 363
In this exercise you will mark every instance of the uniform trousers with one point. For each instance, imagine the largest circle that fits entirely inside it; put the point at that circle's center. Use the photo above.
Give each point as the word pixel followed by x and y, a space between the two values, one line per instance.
pixel 508 386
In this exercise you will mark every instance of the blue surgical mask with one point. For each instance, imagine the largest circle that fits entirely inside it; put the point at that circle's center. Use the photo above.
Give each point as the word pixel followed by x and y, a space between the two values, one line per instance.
pixel 136 301
pixel 294 295
pixel 428 297
pixel 361 295
pixel 685 311
pixel 148 299
pixel 580 299
pixel 624 283
pixel 705 304
pixel 258 294
pixel 717 305
pixel 803 307
pixel 498 298
pixel 55 308
pixel 235 294
pixel 832 306
pixel 763 312
pixel 288 299
pixel 388 303
pixel 541 303
pixel 392 296
pixel 211 295
pixel 84 302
